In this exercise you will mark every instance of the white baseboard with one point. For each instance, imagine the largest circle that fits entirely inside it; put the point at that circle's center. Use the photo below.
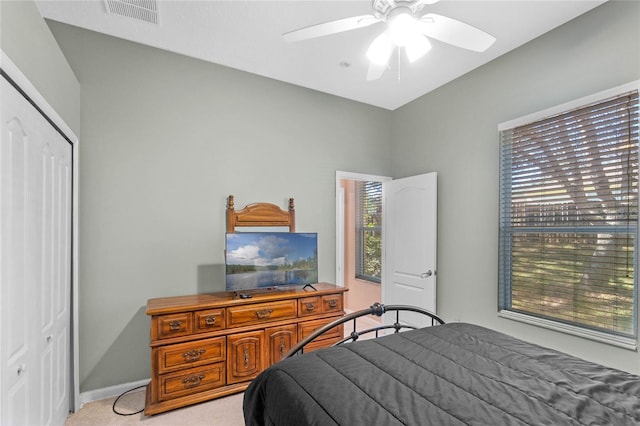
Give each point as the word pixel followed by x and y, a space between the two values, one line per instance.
pixel 109 392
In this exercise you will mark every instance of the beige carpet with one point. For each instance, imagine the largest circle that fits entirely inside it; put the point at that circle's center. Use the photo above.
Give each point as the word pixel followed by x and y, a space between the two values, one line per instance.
pixel 225 411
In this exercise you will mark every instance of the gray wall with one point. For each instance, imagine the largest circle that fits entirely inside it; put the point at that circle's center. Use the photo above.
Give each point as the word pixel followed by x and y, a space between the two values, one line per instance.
pixel 453 131
pixel 165 139
pixel 28 42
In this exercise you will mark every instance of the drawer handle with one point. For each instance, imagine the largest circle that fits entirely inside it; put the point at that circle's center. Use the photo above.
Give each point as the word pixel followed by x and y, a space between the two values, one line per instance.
pixel 264 313
pixel 193 355
pixel 333 303
pixel 210 320
pixel 283 347
pixel 175 325
pixel 192 381
pixel 311 307
pixel 246 357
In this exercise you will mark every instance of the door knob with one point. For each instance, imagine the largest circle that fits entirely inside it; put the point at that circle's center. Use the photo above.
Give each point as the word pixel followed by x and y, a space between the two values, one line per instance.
pixel 426 274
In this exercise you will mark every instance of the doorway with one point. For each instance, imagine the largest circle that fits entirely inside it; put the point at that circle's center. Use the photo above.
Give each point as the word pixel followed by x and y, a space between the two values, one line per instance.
pixel 362 292
pixel 409 242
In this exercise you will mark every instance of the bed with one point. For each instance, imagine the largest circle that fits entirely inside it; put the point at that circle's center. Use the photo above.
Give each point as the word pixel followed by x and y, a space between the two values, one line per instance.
pixel 447 374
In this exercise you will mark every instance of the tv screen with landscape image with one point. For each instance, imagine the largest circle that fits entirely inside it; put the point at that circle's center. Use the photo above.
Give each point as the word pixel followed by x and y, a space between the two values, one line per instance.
pixel 257 260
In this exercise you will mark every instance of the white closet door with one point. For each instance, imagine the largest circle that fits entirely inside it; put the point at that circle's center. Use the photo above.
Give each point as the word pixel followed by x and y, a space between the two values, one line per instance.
pixel 35 265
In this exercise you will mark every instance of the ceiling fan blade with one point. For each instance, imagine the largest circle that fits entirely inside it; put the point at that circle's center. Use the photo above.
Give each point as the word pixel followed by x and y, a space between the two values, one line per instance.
pixel 455 32
pixel 332 27
pixel 375 71
pixel 379 53
pixel 380 50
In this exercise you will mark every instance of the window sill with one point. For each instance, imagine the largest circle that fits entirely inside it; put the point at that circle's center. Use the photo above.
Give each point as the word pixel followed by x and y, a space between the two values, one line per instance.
pixel 619 341
pixel 364 280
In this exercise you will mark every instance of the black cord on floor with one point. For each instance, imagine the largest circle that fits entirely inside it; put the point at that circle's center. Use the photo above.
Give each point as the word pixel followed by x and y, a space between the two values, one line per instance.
pixel 120 396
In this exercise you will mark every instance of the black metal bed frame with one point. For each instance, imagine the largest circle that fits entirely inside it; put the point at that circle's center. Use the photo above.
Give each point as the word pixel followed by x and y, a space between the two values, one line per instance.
pixel 376 309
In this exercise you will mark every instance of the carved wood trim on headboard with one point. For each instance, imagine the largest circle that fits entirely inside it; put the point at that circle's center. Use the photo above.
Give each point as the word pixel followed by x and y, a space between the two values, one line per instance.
pixel 260 214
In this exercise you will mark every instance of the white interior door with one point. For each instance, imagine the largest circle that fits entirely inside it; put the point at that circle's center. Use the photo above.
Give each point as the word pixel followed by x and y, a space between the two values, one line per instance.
pixel 409 243
pixel 35 265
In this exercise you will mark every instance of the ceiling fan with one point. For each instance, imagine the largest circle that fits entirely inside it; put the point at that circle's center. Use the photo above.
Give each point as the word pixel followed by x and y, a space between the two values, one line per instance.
pixel 406 27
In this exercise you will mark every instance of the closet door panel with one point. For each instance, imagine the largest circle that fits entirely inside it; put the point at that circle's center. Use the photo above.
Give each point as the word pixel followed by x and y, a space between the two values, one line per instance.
pixel 14 270
pixel 58 337
pixel 35 265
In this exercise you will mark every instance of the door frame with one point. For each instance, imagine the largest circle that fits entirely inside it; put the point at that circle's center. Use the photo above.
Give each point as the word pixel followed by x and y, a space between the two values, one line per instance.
pixel 341 175
pixel 29 91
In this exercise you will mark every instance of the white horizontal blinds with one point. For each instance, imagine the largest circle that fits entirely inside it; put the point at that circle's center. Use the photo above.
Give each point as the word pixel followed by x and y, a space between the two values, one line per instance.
pixel 369 230
pixel 569 216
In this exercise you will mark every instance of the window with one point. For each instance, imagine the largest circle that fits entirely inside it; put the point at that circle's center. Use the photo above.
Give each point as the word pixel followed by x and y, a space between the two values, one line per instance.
pixel 569 216
pixel 369 230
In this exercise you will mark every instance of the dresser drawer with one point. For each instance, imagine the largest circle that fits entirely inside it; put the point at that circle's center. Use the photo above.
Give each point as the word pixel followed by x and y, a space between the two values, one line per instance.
pixel 192 381
pixel 319 344
pixel 209 320
pixel 332 303
pixel 174 325
pixel 308 327
pixel 259 313
pixel 192 354
pixel 309 306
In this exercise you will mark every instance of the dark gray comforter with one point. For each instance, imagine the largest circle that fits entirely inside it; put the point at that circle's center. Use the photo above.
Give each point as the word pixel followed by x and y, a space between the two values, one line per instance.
pixel 453 374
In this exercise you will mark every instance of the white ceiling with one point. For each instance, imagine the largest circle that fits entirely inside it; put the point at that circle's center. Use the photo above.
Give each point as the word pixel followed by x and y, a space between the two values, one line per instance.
pixel 246 35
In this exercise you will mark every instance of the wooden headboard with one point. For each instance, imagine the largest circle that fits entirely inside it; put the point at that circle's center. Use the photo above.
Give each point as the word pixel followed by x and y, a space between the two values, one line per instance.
pixel 260 214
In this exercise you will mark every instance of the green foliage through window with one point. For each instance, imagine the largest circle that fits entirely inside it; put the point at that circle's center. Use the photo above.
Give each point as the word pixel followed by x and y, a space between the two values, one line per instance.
pixel 369 231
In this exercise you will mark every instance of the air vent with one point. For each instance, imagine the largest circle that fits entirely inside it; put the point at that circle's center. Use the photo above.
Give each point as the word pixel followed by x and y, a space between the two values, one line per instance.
pixel 142 10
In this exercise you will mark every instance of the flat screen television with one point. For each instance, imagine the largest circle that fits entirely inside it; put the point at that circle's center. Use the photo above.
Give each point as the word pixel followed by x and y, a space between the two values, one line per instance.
pixel 266 260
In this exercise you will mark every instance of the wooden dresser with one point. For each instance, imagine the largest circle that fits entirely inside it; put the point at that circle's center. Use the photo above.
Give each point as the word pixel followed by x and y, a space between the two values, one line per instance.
pixel 211 345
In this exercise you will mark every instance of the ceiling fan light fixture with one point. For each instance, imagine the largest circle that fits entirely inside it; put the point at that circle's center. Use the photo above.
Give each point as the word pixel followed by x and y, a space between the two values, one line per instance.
pixel 402 28
pixel 417 48
pixel 380 50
